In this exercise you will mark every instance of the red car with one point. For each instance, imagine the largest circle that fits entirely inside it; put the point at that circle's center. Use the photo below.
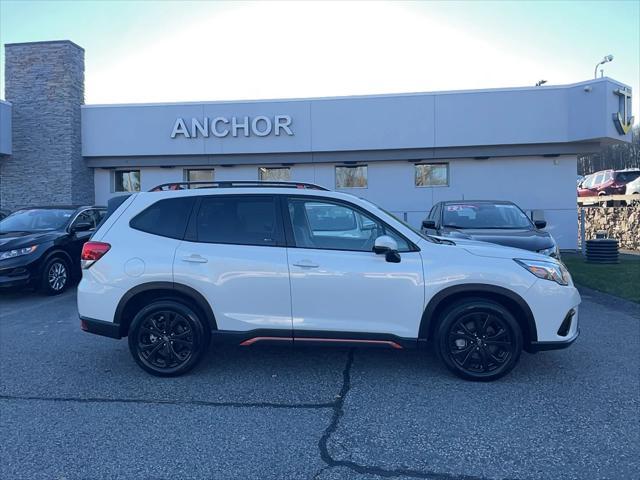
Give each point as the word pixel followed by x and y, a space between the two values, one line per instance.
pixel 606 182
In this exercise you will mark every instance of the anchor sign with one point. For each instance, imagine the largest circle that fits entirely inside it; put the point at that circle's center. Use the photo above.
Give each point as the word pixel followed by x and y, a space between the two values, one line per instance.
pixel 624 121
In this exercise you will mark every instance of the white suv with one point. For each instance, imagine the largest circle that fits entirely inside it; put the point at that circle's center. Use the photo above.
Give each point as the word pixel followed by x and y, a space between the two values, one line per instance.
pixel 281 263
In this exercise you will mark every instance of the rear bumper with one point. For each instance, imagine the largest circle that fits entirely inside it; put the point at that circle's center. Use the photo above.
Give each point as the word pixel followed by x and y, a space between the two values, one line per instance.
pixel 99 327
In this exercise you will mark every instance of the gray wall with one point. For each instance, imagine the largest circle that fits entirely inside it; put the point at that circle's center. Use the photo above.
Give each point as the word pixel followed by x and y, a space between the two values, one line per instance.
pixel 432 122
pixel 45 85
pixel 5 128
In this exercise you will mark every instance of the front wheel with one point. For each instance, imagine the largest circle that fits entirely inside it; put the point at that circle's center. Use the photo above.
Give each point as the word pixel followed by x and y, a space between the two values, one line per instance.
pixel 479 340
pixel 167 338
pixel 55 276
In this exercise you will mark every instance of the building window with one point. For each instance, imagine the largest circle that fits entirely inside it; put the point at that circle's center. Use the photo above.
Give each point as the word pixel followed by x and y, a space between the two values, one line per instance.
pixel 351 177
pixel 276 174
pixel 199 175
pixel 432 175
pixel 126 181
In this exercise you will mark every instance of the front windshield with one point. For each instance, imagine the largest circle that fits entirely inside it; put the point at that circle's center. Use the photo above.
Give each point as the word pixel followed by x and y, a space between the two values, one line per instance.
pixel 484 215
pixel 36 220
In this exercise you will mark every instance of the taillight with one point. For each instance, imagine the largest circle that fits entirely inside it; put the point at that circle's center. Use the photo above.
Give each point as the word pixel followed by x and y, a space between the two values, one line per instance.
pixel 92 252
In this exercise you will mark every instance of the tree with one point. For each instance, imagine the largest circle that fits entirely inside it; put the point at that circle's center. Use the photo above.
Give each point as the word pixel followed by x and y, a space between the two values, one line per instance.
pixel 616 156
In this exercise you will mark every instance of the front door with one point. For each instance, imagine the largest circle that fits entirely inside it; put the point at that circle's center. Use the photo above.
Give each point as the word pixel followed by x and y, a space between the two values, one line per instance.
pixel 235 256
pixel 338 284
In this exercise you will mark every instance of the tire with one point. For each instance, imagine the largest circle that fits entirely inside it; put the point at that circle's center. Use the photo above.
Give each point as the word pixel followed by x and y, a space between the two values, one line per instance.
pixel 479 340
pixel 56 276
pixel 168 349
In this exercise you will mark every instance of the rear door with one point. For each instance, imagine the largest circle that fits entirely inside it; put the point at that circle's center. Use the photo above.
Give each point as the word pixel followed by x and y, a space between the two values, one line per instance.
pixel 234 254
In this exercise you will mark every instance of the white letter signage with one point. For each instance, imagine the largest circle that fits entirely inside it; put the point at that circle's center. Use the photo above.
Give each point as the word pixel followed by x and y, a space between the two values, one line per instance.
pixel 241 126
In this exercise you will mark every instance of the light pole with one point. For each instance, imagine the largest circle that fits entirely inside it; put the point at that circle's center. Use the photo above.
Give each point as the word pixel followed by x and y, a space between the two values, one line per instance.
pixel 606 59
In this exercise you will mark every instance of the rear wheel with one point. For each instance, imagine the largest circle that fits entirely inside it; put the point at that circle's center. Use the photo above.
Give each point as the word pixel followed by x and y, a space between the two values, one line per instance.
pixel 168 338
pixel 479 340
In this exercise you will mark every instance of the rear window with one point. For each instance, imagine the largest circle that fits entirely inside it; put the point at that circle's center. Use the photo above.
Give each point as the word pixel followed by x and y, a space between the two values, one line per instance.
pixel 240 220
pixel 167 218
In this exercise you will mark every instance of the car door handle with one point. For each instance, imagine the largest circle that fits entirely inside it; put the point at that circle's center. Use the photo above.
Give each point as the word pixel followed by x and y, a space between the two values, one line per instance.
pixel 194 258
pixel 305 264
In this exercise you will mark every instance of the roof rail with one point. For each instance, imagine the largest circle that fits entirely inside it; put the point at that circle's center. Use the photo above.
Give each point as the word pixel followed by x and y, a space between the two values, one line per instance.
pixel 234 184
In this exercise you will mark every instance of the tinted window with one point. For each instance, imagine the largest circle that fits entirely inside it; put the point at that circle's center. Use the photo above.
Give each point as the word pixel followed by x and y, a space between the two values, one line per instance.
pixel 92 217
pixel 626 177
pixel 241 220
pixel 167 218
pixel 331 226
pixel 484 215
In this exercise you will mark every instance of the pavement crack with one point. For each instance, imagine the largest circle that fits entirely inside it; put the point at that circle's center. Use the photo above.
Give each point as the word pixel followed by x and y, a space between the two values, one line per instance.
pixel 198 403
pixel 338 413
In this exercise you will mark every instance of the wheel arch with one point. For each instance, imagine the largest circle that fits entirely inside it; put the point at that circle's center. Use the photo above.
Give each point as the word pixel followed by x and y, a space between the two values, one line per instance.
pixel 507 298
pixel 55 252
pixel 143 294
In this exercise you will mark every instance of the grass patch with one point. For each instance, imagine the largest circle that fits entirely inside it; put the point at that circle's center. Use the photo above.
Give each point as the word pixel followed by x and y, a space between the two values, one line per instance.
pixel 621 280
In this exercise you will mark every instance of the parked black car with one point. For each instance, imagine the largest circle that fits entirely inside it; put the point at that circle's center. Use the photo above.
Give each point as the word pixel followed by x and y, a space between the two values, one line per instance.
pixel 41 246
pixel 490 221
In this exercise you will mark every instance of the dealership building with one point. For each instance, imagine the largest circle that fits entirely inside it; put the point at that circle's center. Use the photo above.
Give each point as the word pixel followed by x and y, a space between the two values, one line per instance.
pixel 402 151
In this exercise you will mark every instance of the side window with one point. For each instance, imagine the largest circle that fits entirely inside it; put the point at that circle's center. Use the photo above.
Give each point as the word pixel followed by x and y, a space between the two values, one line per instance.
pixel 598 179
pixel 167 218
pixel 240 220
pixel 88 216
pixel 334 226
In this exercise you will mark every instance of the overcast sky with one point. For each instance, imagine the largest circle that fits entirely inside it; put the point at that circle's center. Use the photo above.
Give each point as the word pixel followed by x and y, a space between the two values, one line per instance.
pixel 168 51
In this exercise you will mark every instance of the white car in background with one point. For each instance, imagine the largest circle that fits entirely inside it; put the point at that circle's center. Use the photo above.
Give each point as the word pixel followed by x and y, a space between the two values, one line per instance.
pixel 633 188
pixel 256 263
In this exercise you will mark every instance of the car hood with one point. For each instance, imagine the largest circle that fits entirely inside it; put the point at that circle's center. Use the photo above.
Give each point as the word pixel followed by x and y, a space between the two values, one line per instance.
pixel 493 250
pixel 12 240
pixel 527 239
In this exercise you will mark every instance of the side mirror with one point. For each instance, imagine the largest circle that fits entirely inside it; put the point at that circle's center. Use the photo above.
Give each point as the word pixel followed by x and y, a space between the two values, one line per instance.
pixel 429 224
pixel 387 246
pixel 81 227
pixel 540 224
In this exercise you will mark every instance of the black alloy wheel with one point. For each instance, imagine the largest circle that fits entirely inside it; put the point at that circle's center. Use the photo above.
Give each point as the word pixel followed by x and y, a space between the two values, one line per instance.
pixel 167 338
pixel 55 276
pixel 479 340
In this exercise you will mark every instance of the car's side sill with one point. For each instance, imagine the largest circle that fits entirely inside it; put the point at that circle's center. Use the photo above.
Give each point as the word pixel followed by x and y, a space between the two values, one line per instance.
pixel 312 337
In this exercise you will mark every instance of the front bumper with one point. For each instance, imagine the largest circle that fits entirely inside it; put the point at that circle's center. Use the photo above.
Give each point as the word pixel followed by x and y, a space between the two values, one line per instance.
pixel 20 271
pixel 545 346
pixel 99 327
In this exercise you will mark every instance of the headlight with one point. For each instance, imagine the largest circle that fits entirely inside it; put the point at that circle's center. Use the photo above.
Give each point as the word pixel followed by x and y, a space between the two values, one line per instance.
pixel 17 252
pixel 550 252
pixel 555 272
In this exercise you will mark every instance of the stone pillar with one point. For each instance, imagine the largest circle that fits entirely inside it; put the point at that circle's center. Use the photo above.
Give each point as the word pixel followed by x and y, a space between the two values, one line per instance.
pixel 44 81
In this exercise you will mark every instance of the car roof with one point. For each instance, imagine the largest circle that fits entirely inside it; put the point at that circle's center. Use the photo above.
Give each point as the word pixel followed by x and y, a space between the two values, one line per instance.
pixel 506 202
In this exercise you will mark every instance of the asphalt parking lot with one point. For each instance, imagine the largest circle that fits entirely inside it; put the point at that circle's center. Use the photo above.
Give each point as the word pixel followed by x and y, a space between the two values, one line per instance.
pixel 74 405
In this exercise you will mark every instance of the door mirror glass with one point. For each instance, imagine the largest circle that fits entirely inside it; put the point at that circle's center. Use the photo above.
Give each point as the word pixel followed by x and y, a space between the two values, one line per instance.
pixel 429 224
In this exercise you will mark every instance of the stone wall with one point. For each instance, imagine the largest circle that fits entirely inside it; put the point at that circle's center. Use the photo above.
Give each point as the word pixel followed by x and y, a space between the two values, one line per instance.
pixel 45 84
pixel 621 223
